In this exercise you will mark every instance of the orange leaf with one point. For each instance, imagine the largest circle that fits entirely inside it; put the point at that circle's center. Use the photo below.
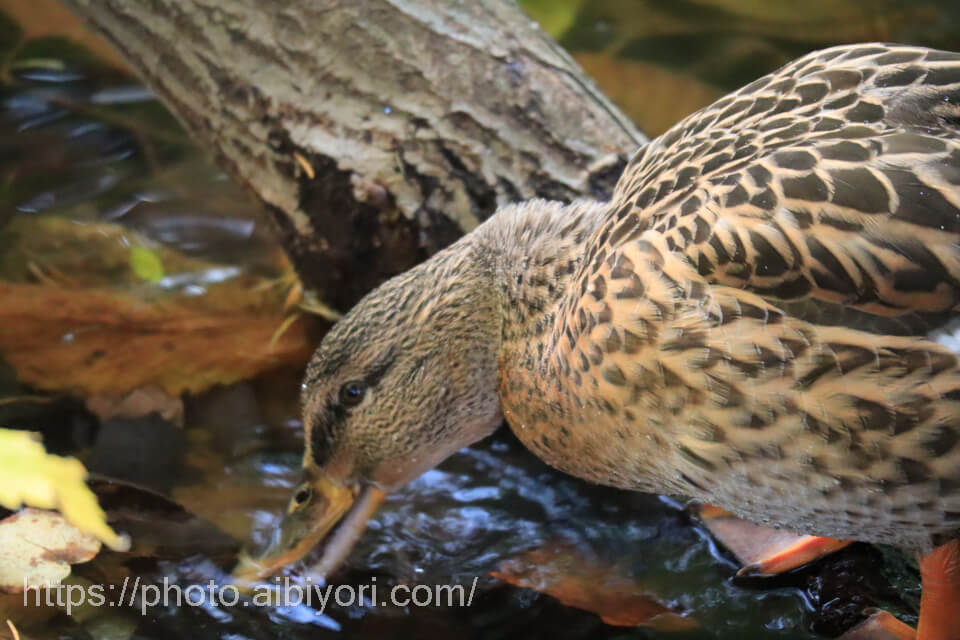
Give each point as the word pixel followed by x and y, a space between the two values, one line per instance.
pixel 92 341
pixel 568 577
pixel 45 18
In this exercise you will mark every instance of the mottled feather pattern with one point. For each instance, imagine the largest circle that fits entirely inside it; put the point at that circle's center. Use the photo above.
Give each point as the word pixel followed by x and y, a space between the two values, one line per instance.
pixel 746 321
pixel 764 316
pixel 836 177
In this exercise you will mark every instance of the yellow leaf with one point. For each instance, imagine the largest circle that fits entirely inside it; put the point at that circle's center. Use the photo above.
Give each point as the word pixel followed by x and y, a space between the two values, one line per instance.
pixel 89 254
pixel 554 16
pixel 146 264
pixel 28 475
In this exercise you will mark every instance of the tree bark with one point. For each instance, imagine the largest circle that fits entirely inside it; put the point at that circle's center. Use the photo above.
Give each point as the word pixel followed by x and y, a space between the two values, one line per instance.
pixel 375 131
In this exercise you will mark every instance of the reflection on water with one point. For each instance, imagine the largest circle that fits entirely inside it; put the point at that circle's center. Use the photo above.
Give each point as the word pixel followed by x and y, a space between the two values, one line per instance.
pixel 83 143
pixel 93 148
pixel 495 502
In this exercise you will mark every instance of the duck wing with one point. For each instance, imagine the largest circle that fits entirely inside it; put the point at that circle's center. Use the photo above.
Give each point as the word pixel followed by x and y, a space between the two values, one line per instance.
pixel 831 186
pixel 721 395
pixel 759 297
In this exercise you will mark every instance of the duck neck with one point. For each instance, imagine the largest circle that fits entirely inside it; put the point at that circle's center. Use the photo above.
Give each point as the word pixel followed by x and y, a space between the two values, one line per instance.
pixel 531 253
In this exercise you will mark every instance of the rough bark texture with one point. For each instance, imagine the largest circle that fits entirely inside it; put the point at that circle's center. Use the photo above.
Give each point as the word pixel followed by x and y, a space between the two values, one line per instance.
pixel 375 131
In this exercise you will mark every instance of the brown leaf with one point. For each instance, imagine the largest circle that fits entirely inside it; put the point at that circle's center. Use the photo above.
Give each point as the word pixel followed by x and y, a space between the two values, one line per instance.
pixel 45 18
pixel 92 341
pixel 25 616
pixel 161 530
pixel 565 575
pixel 880 626
pixel 158 526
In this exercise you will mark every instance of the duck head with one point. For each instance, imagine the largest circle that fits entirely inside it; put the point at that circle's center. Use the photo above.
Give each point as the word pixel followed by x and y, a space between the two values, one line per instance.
pixel 407 378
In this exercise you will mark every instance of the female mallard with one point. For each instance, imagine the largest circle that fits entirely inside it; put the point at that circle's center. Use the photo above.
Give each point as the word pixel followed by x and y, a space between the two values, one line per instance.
pixel 759 318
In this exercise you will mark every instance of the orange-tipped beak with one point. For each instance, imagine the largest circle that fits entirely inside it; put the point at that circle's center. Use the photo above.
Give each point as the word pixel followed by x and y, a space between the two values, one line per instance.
pixel 308 523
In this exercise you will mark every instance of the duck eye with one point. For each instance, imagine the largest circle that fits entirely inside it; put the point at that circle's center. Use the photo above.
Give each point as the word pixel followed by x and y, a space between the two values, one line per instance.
pixel 352 393
pixel 302 495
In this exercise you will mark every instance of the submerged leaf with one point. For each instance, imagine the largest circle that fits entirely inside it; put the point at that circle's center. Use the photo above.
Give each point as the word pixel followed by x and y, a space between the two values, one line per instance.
pixel 554 16
pixel 92 341
pixel 160 527
pixel 28 475
pixel 98 308
pixel 567 576
pixel 45 18
pixel 84 254
pixel 146 264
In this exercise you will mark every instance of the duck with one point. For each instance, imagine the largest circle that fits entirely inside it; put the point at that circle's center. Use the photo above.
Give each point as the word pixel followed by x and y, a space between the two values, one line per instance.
pixel 762 317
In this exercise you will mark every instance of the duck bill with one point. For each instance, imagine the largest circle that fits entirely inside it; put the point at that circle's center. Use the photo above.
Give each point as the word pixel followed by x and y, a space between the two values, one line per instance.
pixel 336 516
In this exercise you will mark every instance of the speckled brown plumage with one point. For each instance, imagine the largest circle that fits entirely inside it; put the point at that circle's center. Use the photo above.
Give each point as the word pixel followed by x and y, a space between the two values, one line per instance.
pixel 748 321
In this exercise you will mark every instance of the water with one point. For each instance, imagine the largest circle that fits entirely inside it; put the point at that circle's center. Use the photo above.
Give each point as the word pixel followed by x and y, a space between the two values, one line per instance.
pixel 81 142
pixel 493 503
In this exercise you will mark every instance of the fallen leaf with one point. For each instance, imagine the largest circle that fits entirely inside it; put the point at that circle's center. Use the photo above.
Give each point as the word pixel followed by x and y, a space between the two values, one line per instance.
pixel 77 315
pixel 160 527
pixel 146 264
pixel 161 530
pixel 82 254
pixel 45 18
pixel 28 475
pixel 91 341
pixel 136 404
pixel 565 575
pixel 553 16
pixel 37 548
pixel 881 625
pixel 28 616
